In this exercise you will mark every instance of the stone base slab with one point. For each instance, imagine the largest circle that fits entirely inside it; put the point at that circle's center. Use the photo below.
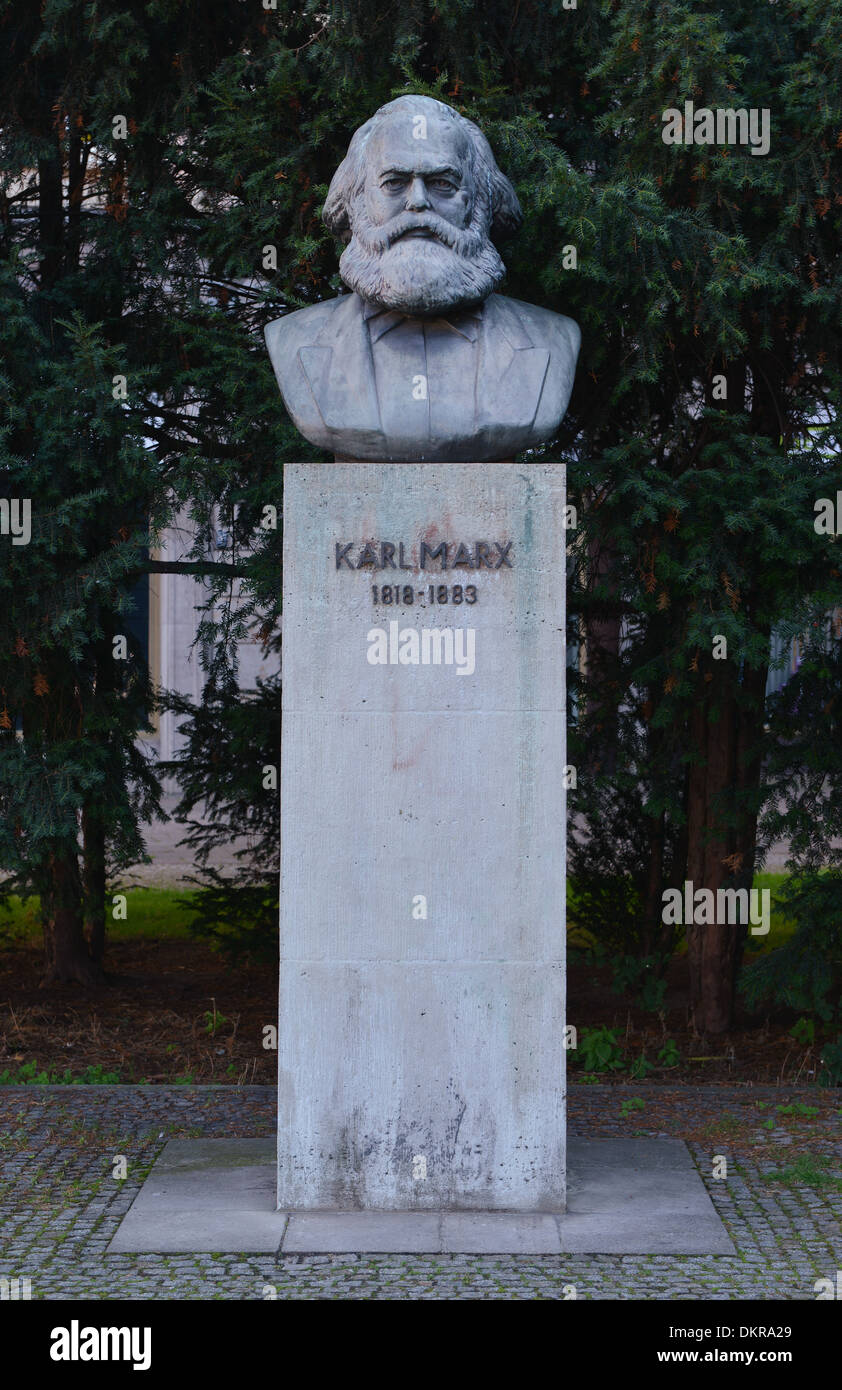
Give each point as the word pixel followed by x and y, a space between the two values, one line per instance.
pixel 625 1197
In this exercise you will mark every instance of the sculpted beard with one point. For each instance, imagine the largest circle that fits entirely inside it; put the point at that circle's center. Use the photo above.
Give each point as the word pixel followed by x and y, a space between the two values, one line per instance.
pixel 420 275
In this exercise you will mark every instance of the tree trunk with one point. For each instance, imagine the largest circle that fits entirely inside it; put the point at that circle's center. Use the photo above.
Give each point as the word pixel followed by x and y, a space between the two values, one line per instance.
pixel 654 892
pixel 602 654
pixel 68 959
pixel 725 728
pixel 77 160
pixel 93 882
pixel 749 768
pixel 50 218
pixel 675 872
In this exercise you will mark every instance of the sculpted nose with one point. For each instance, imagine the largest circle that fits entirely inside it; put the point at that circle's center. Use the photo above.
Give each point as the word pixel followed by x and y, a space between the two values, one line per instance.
pixel 416 198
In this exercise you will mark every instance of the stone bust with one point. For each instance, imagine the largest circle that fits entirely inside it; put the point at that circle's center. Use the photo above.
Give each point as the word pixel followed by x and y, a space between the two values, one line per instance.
pixel 423 361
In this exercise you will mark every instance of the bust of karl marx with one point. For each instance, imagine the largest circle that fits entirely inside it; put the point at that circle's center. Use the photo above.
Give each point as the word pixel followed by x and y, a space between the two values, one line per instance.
pixel 422 361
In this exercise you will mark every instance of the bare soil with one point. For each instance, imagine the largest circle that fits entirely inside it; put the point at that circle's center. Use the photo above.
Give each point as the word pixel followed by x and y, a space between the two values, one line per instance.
pixel 173 1010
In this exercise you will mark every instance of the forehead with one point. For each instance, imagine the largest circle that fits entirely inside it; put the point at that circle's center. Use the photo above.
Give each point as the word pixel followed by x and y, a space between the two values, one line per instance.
pixel 395 145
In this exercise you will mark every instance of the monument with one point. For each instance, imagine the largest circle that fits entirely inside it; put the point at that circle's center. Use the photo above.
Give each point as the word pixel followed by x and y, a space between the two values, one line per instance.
pixel 421 1075
pixel 423 361
pixel 421 1057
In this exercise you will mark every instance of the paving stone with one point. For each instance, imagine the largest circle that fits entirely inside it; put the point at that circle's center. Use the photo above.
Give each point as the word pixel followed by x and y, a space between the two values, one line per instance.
pixel 331 1232
pixel 42 1127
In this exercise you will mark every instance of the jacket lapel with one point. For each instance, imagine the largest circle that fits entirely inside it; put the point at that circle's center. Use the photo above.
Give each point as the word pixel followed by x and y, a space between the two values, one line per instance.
pixel 341 375
pixel 511 371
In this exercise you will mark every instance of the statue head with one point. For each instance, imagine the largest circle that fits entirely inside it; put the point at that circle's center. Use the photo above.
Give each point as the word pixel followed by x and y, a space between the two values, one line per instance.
pixel 418 198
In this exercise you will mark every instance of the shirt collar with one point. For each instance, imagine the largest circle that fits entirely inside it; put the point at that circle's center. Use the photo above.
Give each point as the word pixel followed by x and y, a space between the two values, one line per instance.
pixel 464 322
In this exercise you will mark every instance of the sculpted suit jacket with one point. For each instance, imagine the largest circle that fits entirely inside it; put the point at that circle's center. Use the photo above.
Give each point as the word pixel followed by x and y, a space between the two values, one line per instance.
pixel 512 398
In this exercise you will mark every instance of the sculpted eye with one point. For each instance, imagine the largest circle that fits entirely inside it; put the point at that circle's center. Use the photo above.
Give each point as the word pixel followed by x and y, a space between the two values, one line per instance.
pixel 393 185
pixel 444 185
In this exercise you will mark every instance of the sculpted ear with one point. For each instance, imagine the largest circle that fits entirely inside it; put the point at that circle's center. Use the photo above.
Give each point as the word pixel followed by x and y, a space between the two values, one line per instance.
pixel 337 203
pixel 506 215
pixel 344 184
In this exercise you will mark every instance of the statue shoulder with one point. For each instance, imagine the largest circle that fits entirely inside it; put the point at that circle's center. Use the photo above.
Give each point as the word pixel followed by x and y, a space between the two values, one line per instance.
pixel 300 328
pixel 545 327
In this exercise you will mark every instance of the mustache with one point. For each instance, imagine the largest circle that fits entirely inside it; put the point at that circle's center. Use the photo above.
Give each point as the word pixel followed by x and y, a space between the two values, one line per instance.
pixel 430 223
pixel 381 238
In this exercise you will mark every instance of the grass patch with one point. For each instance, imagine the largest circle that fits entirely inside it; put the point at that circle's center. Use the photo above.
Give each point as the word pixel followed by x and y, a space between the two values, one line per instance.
pixel 629 1106
pixel 808 1170
pixel 781 927
pixel 159 913
pixel 726 1126
pixel 27 1074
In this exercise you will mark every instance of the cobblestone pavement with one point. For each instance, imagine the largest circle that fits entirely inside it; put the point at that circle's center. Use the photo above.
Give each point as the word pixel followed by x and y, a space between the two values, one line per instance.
pixel 60 1203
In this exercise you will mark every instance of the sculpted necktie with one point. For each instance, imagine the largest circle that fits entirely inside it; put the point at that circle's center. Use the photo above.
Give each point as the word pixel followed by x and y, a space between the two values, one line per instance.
pixel 416 362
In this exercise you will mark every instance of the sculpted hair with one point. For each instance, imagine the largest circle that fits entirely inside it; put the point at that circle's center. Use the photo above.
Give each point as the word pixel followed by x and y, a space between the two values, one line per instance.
pixel 492 187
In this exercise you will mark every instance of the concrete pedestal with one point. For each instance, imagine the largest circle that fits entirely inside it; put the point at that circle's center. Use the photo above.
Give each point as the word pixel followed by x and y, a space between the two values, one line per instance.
pixel 421 1059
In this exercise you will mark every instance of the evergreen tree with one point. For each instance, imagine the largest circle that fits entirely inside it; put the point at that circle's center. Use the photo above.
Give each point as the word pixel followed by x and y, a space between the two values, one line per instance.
pixel 695 267
pixel 98 271
pixel 720 358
